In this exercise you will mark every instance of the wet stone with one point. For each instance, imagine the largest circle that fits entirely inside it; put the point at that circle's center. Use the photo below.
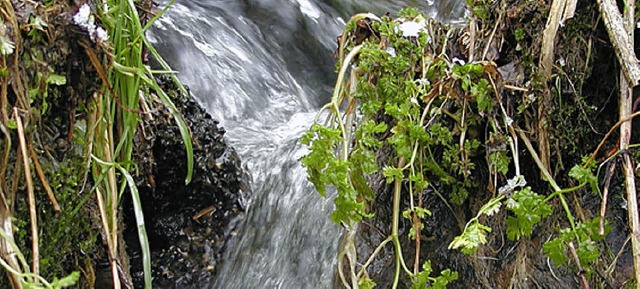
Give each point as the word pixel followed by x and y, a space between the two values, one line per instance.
pixel 187 226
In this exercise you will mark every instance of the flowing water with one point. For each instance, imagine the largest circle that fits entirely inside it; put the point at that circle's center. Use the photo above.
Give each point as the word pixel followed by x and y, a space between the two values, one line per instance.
pixel 263 68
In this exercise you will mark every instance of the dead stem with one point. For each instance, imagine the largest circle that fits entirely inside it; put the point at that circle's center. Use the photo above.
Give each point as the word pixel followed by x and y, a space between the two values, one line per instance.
pixel 15 181
pixel 105 224
pixel 43 180
pixel 558 10
pixel 4 108
pixel 574 254
pixel 35 248
pixel 7 148
pixel 606 136
pixel 493 32
pixel 623 47
pixel 549 37
pixel 626 106
pixel 605 194
pixel 7 252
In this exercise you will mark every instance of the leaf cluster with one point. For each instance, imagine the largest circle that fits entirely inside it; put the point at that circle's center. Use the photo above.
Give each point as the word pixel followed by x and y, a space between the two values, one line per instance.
pixel 424 280
pixel 585 236
pixel 529 209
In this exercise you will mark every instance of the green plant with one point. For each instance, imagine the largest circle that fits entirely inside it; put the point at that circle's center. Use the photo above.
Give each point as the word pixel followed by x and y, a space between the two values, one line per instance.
pixel 398 93
pixel 402 93
pixel 33 71
pixel 32 280
pixel 115 116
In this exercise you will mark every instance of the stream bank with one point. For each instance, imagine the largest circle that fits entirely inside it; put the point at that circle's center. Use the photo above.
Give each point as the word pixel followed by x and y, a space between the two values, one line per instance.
pixel 52 72
pixel 564 112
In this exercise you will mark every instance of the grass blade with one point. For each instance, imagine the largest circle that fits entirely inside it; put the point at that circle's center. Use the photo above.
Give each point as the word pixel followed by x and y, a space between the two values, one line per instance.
pixel 142 231
pixel 177 116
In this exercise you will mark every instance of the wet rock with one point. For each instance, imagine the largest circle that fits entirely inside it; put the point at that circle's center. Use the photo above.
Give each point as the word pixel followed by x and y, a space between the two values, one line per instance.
pixel 187 225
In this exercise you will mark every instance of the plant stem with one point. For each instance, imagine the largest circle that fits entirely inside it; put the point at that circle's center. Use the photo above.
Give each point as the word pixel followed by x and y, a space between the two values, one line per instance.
pixel 547 176
pixel 373 255
pixel 35 247
pixel 397 187
pixel 626 104
pixel 337 90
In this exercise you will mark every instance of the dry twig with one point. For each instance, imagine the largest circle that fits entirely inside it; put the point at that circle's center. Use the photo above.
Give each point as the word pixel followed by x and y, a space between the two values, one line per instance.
pixel 35 248
pixel 626 105
pixel 43 180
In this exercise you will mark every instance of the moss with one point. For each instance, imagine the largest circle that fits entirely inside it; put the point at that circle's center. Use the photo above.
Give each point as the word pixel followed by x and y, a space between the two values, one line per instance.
pixel 51 76
pixel 68 237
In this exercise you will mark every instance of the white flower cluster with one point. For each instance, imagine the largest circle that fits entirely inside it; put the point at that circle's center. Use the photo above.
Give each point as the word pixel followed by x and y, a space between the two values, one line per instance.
pixel 512 184
pixel 412 28
pixel 84 19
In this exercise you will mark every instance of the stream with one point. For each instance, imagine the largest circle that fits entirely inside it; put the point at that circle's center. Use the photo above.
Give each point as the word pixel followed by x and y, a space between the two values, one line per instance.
pixel 263 68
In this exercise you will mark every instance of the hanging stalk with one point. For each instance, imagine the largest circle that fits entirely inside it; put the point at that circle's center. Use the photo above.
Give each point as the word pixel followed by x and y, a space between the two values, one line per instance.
pixel 626 104
pixel 35 241
pixel 105 178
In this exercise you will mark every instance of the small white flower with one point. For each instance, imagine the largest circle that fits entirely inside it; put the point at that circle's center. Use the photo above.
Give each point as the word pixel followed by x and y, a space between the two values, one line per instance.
pixel 391 51
pixel 423 81
pixel 82 17
pixel 509 121
pixel 458 61
pixel 6 46
pixel 86 21
pixel 512 184
pixel 101 34
pixel 412 28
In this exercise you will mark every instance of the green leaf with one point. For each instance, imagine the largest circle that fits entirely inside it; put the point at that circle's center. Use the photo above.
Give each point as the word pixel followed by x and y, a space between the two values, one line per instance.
pixel 406 214
pixel 444 279
pixel 482 93
pixel 473 236
pixel 587 251
pixel 585 236
pixel 56 79
pixel 185 133
pixel 142 231
pixel 360 183
pixel 529 208
pixel 584 175
pixel 392 174
pixel 412 231
pixel 556 250
pixel 491 207
pixel 421 280
pixel 12 124
pixel 500 161
pixel 366 283
pixel 482 11
pixel 67 281
pixel 519 34
pixel 421 212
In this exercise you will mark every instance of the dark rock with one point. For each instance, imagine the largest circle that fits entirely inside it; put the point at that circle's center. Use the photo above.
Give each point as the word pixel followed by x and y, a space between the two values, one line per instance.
pixel 187 225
